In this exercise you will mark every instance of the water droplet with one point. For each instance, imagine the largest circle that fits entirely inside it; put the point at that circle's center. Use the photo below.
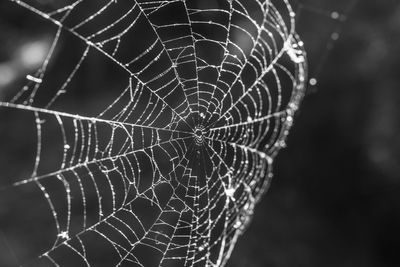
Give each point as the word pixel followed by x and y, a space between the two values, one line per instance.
pixel 237 224
pixel 334 15
pixel 63 235
pixel 230 192
pixel 335 36
pixel 282 144
pixel 313 81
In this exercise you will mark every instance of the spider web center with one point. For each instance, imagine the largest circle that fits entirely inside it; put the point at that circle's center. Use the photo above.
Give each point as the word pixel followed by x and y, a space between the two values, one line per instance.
pixel 199 135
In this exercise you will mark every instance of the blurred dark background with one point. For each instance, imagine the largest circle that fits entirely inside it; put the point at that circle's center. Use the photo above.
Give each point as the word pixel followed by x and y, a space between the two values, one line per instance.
pixel 335 196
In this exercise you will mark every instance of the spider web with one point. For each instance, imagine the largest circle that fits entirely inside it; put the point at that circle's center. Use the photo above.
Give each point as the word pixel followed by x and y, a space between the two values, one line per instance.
pixel 167 172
